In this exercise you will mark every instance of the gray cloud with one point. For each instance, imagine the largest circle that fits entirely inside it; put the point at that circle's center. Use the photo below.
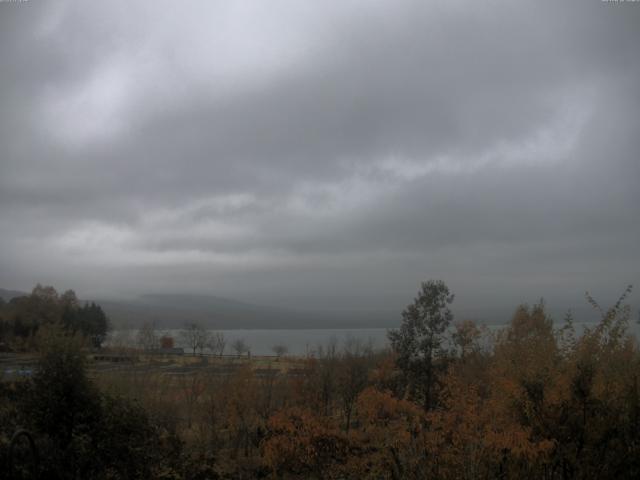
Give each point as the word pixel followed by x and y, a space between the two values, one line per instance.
pixel 321 155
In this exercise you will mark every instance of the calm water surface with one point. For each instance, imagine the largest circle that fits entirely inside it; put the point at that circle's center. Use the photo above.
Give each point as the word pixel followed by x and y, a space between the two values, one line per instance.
pixel 302 342
pixel 261 342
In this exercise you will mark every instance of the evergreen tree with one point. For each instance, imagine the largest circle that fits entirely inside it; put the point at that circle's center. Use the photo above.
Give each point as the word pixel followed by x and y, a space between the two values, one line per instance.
pixel 418 342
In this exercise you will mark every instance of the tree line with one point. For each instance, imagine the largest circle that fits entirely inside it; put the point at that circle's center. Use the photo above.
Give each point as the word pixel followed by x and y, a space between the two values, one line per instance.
pixel 23 316
pixel 194 336
pixel 197 339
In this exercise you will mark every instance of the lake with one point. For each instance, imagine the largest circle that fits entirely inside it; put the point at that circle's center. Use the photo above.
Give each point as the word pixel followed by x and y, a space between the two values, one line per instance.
pixel 261 342
pixel 300 341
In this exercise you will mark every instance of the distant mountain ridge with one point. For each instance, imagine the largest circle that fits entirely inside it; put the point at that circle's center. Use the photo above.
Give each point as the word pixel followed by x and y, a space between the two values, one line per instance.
pixel 7 295
pixel 173 310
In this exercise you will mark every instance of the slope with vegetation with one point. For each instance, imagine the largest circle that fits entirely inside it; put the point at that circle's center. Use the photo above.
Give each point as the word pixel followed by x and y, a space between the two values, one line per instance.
pixel 450 400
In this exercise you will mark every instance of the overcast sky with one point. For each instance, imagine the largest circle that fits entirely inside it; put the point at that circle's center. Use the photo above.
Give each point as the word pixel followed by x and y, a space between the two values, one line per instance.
pixel 321 154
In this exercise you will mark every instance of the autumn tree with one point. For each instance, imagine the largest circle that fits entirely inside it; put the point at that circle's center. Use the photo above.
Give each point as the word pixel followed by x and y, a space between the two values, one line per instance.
pixel 598 431
pixel 82 432
pixel 526 352
pixel 216 343
pixel 325 379
pixel 24 315
pixel 61 395
pixel 192 386
pixel 215 400
pixel 352 377
pixel 301 443
pixel 466 337
pixel 240 346
pixel 194 336
pixel 241 411
pixel 147 337
pixel 389 443
pixel 280 350
pixel 418 342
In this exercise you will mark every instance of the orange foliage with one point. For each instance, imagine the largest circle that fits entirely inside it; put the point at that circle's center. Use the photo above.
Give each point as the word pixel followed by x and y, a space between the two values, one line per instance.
pixel 300 442
pixel 389 443
pixel 533 403
pixel 469 434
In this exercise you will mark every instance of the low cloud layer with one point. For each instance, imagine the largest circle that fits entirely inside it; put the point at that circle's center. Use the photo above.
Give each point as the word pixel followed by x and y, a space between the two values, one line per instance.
pixel 327 154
